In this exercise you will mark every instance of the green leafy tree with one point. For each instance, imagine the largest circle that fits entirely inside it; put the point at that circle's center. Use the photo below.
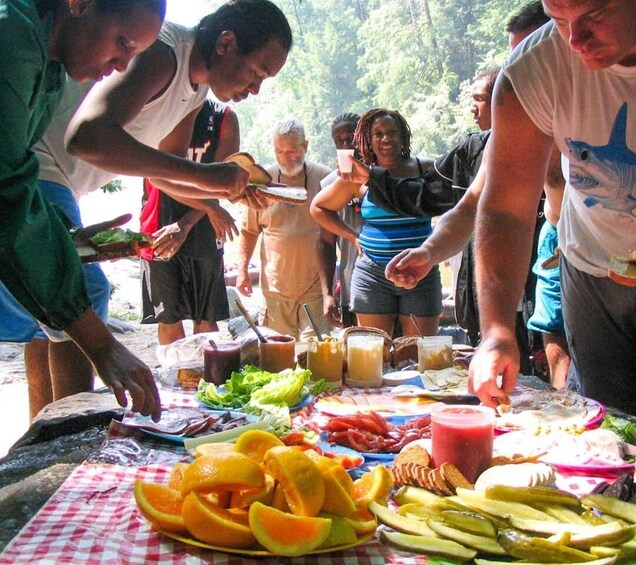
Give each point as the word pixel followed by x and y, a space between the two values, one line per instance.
pixel 113 186
pixel 415 56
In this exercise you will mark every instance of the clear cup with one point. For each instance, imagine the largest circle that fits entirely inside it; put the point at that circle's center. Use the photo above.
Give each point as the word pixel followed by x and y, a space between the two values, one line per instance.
pixel 463 435
pixel 344 163
pixel 278 353
pixel 365 357
pixel 434 352
pixel 324 359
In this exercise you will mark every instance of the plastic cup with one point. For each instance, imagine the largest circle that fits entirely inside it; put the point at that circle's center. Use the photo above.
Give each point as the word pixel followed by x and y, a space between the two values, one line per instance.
pixel 324 359
pixel 463 435
pixel 220 360
pixel 344 163
pixel 278 353
pixel 434 352
pixel 365 356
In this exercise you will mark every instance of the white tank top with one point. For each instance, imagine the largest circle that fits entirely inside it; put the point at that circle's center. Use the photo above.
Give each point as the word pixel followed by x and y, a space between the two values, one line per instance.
pixel 156 120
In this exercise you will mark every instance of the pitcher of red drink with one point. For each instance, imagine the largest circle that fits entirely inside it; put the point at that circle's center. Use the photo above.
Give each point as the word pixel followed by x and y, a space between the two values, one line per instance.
pixel 220 359
pixel 463 435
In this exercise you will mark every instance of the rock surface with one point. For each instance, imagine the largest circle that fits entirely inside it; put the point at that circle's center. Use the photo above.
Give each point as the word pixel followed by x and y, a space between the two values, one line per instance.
pixel 64 435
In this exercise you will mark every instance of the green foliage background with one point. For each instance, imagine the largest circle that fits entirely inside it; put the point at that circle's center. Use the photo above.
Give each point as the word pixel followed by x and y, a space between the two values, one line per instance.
pixel 415 56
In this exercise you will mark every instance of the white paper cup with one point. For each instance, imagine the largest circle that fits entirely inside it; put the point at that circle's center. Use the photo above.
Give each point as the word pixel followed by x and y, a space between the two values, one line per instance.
pixel 344 164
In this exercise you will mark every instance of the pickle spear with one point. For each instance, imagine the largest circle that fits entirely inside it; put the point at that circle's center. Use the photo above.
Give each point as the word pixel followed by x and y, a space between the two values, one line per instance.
pixel 612 506
pixel 539 550
pixel 532 495
pixel 428 546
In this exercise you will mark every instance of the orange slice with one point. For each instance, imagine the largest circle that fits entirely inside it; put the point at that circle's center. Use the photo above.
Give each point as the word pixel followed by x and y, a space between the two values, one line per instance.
pixel 255 443
pixel 341 532
pixel 243 498
pixel 363 521
pixel 213 449
pixel 223 472
pixel 299 477
pixel 215 525
pixel 376 485
pixel 176 475
pixel 160 505
pixel 287 534
pixel 337 500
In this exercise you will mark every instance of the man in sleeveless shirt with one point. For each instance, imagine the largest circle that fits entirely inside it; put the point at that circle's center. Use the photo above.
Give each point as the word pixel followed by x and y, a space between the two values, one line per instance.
pixel 189 283
pixel 140 122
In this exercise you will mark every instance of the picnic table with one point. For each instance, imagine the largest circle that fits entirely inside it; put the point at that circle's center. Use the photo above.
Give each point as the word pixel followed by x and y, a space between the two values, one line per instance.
pixel 93 517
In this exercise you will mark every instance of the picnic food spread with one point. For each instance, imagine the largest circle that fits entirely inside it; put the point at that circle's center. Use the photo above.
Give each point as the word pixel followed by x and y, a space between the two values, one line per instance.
pixel 511 510
pixel 283 465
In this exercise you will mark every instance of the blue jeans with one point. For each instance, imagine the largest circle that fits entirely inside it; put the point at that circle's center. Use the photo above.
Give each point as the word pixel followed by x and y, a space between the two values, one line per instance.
pixel 16 324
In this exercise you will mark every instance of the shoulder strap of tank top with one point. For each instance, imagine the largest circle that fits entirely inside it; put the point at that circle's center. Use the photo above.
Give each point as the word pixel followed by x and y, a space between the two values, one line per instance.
pixel 419 166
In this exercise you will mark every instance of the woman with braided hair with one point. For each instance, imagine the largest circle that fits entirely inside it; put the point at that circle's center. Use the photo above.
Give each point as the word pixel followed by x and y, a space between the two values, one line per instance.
pixel 383 139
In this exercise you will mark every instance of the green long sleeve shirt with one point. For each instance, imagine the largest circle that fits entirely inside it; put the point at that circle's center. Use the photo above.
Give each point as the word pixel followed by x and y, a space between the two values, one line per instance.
pixel 38 261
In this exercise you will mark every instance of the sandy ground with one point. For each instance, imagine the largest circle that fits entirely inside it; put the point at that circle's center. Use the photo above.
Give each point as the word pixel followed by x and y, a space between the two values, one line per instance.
pixel 125 305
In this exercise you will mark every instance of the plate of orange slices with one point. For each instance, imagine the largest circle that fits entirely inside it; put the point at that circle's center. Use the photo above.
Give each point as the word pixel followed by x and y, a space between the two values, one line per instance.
pixel 256 552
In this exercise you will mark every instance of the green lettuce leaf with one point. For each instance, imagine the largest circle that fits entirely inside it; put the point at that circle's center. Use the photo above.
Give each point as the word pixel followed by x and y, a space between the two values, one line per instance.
pixel 117 235
pixel 255 389
pixel 624 428
pixel 285 388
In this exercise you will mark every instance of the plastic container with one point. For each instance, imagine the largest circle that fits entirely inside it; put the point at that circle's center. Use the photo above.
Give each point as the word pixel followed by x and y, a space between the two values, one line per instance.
pixel 463 435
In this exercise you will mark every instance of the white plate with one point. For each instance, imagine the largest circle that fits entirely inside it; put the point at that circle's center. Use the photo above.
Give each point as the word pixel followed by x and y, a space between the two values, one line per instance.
pixel 399 377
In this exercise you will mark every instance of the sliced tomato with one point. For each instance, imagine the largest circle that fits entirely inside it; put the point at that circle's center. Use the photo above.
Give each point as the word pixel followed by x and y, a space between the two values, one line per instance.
pixel 346 460
pixel 294 438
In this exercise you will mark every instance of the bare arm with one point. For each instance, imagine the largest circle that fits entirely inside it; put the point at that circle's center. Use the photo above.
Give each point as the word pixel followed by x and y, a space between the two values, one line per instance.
pixel 117 366
pixel 177 142
pixel 451 234
pixel 554 187
pixel 505 225
pixel 325 205
pixel 454 229
pixel 96 132
pixel 168 239
pixel 326 253
pixel 247 244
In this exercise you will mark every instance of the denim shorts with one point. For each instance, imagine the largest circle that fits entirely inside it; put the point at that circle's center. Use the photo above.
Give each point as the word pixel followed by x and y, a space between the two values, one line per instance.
pixel 17 325
pixel 547 316
pixel 372 293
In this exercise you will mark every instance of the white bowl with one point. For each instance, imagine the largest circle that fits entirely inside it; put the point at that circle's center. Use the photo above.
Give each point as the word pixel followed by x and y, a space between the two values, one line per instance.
pixel 399 377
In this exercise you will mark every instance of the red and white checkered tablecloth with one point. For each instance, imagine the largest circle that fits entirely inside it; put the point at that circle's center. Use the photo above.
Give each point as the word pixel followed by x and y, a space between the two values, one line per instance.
pixel 93 519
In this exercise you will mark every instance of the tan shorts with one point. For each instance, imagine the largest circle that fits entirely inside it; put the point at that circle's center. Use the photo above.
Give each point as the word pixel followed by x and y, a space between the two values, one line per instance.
pixel 288 317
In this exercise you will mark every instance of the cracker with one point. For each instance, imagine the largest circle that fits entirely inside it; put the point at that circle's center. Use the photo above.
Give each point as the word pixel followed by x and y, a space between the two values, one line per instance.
pixel 416 454
pixel 420 476
pixel 454 477
pixel 439 483
pixel 398 476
